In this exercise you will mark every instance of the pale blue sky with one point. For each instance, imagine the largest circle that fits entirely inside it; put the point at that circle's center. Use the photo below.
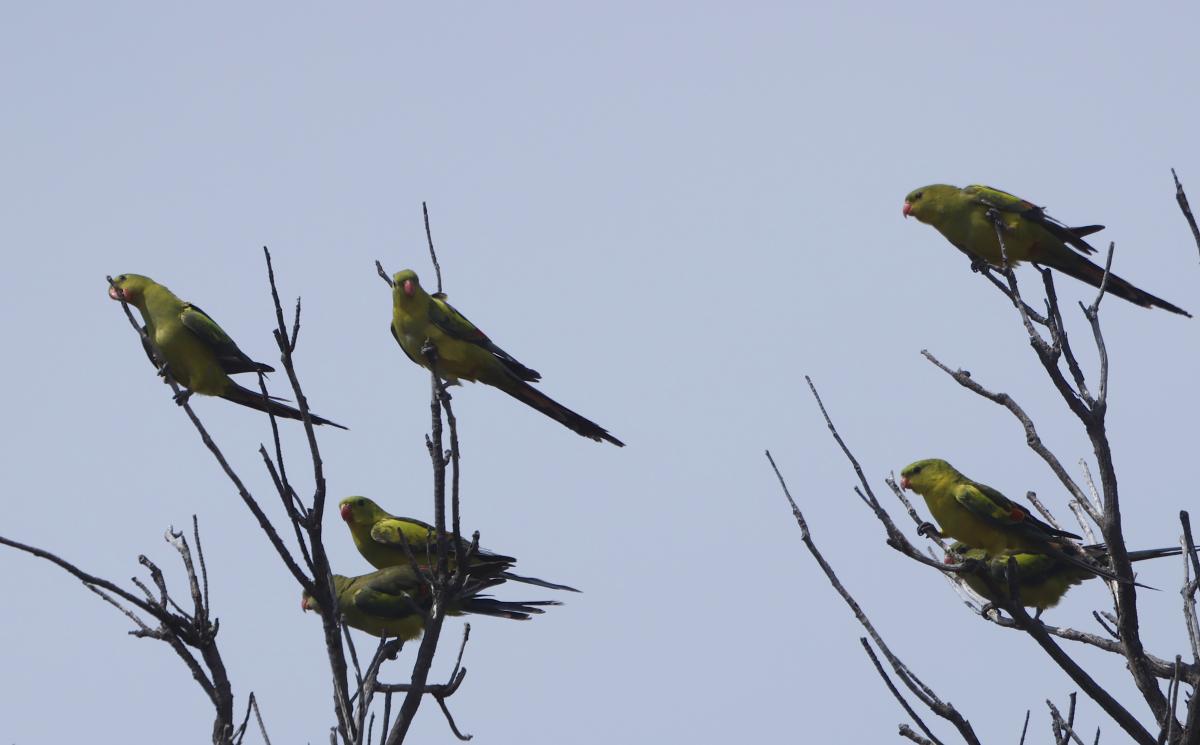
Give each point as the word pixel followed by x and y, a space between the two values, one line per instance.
pixel 673 211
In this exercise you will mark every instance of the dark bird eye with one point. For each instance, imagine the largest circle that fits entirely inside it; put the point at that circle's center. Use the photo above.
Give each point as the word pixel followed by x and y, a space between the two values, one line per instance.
pixel 916 470
pixel 121 278
pixel 917 196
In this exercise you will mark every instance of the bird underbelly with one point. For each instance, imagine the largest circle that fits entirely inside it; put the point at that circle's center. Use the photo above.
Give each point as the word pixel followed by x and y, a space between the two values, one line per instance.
pixel 406 629
pixel 956 522
pixel 192 364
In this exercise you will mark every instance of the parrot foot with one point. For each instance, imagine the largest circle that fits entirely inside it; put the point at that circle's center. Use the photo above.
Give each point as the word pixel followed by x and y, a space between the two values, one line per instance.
pixel 182 397
pixel 979 265
pixel 988 608
pixel 928 530
pixel 974 566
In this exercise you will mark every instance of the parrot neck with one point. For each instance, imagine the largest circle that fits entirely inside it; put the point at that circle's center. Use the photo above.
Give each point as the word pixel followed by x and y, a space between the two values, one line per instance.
pixel 158 302
pixel 943 482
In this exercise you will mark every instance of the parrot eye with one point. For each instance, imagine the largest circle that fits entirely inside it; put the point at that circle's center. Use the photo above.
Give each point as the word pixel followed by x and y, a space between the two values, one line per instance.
pixel 915 471
pixel 916 196
pixel 121 278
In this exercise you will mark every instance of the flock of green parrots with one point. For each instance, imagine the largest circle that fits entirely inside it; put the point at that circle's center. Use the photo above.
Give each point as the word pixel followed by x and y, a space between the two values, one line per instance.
pixel 393 600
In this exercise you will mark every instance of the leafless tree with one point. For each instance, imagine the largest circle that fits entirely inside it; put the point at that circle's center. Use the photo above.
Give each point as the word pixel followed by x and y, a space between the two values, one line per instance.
pixel 1096 507
pixel 357 691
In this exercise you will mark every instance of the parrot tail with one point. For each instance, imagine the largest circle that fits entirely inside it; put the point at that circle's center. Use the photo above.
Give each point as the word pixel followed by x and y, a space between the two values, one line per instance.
pixel 517 611
pixel 1101 550
pixel 1069 554
pixel 530 396
pixel 541 582
pixel 1154 553
pixel 1084 270
pixel 254 400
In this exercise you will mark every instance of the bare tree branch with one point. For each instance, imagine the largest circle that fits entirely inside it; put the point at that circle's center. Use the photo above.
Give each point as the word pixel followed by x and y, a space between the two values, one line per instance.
pixel 1182 200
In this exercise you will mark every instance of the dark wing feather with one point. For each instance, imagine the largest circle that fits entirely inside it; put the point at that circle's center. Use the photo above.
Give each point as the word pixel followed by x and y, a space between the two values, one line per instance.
pixel 231 359
pixel 1010 203
pixel 455 325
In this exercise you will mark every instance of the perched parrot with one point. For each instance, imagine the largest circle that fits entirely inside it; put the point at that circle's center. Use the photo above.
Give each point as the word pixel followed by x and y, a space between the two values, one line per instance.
pixel 466 353
pixel 200 356
pixel 983 518
pixel 377 535
pixel 393 602
pixel 961 216
pixel 1041 580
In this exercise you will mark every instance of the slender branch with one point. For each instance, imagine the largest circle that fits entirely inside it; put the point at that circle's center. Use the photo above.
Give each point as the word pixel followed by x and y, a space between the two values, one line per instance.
pixel 432 254
pixel 1182 200
pixel 942 709
pixel 895 692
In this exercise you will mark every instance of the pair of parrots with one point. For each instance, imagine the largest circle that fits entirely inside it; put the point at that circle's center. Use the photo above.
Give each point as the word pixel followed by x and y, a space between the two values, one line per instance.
pixel 200 356
pixel 395 600
pixel 989 528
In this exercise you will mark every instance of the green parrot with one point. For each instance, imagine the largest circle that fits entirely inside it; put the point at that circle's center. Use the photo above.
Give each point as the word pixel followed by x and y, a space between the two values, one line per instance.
pixel 466 353
pixel 377 535
pixel 1041 580
pixel 393 602
pixel 199 354
pixel 961 216
pixel 983 518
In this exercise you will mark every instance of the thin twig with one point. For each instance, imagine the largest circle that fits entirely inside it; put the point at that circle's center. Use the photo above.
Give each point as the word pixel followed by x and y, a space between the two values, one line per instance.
pixel 1182 200
pixel 432 254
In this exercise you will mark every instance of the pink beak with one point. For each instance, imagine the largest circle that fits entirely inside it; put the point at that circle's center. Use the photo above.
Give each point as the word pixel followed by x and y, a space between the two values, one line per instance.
pixel 904 482
pixel 408 287
pixel 345 511
pixel 907 209
pixel 114 293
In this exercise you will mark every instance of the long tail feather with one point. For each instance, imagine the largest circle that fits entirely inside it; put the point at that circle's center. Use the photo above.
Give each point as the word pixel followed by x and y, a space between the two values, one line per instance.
pixel 517 611
pixel 1084 270
pixel 247 397
pixel 535 581
pixel 1154 553
pixel 530 396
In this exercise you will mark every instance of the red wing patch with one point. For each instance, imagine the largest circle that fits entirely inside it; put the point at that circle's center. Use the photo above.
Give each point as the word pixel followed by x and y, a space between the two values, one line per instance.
pixel 1018 514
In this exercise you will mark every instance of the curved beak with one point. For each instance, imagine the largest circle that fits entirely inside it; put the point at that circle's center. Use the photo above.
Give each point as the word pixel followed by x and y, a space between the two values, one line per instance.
pixel 345 512
pixel 904 482
pixel 907 209
pixel 408 287
pixel 114 293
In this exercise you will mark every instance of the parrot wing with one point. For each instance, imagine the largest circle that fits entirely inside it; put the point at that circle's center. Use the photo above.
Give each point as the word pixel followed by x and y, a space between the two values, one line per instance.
pixel 231 359
pixel 1002 201
pixel 455 325
pixel 384 604
pixel 990 505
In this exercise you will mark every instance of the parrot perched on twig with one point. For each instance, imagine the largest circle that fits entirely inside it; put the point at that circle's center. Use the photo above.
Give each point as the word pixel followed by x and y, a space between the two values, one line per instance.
pixel 983 518
pixel 394 602
pixel 463 352
pixel 1042 580
pixel 380 538
pixel 962 217
pixel 198 353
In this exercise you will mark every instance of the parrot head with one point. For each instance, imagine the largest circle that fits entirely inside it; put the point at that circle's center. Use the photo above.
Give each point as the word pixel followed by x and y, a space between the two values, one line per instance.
pixel 308 602
pixel 405 282
pixel 924 475
pixel 360 511
pixel 959 552
pixel 129 287
pixel 925 202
